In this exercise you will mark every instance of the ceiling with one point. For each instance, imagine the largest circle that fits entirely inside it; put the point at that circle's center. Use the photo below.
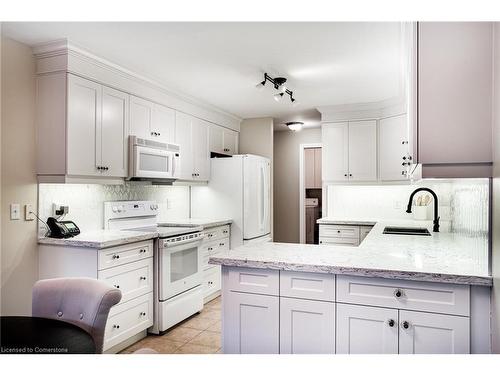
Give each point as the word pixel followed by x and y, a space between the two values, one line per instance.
pixel 220 63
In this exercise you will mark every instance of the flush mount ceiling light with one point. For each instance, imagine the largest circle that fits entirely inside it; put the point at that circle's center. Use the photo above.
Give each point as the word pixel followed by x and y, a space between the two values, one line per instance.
pixel 279 83
pixel 294 126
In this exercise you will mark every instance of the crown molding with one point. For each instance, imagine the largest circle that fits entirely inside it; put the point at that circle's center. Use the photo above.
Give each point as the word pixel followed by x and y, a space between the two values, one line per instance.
pixel 64 47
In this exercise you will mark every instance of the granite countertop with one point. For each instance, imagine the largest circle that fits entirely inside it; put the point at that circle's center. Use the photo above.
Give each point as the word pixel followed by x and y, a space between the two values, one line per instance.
pixel 104 238
pixel 442 257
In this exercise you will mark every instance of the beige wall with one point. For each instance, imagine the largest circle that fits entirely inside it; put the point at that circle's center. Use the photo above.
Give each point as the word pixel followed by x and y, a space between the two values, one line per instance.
pixel 19 258
pixel 286 181
pixel 496 196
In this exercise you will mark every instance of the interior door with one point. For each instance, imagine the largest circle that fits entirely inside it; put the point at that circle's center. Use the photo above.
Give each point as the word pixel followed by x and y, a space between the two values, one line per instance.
pixel 256 195
pixel 114 129
pixel 163 123
pixel 427 333
pixel 363 150
pixel 309 168
pixel 366 330
pixel 335 159
pixel 84 122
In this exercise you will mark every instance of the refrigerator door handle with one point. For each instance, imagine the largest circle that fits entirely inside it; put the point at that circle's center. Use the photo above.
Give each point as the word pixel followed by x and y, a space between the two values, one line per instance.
pixel 261 198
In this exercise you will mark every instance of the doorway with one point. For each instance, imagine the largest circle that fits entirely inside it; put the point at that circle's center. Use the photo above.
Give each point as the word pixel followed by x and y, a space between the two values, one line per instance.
pixel 311 192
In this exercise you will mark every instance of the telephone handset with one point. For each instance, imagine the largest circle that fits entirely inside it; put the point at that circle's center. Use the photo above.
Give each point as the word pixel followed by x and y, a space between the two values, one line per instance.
pixel 62 229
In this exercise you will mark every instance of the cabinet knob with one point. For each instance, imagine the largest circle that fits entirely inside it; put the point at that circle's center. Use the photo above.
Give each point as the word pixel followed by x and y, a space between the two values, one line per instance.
pixel 391 322
pixel 116 256
pixel 116 326
pixel 142 278
pixel 350 174
pixel 405 325
pixel 398 293
pixel 117 286
pixel 143 313
pixel 210 283
pixel 210 249
pixel 345 175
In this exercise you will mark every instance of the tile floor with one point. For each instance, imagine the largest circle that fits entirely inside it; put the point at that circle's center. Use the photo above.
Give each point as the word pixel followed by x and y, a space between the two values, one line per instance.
pixel 199 334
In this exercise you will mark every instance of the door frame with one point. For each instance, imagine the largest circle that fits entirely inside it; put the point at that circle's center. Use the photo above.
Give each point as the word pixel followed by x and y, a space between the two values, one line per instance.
pixel 302 147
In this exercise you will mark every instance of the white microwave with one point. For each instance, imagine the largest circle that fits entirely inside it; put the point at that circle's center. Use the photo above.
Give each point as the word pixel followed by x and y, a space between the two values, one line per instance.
pixel 152 160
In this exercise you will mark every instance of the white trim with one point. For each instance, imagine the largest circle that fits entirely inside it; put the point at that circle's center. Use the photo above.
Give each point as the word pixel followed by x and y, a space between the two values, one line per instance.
pixel 302 147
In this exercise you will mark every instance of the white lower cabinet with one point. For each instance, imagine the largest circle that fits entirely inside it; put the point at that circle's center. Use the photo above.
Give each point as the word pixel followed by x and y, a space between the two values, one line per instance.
pixel 366 330
pixel 251 324
pixel 306 326
pixel 427 333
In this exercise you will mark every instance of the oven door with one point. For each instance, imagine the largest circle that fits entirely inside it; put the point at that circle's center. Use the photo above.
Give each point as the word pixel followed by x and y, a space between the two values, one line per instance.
pixel 180 268
pixel 153 163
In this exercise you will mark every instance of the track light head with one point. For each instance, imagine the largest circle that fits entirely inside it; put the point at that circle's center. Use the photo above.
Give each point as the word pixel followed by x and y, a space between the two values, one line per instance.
pixel 279 83
pixel 278 96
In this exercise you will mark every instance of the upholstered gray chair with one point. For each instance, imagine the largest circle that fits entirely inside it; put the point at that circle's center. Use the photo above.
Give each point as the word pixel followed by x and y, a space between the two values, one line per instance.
pixel 84 302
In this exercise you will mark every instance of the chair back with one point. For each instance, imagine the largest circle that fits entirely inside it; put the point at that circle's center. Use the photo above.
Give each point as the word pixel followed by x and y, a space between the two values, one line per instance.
pixel 82 301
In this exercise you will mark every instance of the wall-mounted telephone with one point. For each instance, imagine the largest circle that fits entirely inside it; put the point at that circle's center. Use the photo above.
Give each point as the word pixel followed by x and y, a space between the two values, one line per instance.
pixel 62 229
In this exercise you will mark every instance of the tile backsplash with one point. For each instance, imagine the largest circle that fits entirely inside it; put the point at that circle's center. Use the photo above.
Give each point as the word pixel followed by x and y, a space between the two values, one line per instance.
pixel 86 201
pixel 463 203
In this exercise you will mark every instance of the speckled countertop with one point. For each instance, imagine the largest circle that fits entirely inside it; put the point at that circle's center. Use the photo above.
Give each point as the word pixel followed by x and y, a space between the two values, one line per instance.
pixel 442 257
pixel 104 238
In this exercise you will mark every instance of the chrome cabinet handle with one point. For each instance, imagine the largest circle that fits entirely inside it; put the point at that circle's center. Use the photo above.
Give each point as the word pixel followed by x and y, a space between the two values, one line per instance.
pixel 398 293
pixel 391 322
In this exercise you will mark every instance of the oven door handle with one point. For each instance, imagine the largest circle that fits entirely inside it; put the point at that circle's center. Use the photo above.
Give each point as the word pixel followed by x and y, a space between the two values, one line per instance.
pixel 173 244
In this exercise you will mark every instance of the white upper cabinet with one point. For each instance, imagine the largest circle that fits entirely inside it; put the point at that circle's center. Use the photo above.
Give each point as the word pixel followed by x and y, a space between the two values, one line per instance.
pixel 454 92
pixel 151 121
pixel 222 140
pixel 335 138
pixel 393 148
pixel 363 150
pixel 96 129
pixel 192 136
pixel 350 151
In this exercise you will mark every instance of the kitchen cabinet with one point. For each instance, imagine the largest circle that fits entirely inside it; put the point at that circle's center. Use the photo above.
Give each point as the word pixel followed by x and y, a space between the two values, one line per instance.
pixel 251 324
pixel 393 148
pixel 312 168
pixel 151 120
pixel 454 92
pixel 350 151
pixel 306 327
pixel 215 240
pixel 366 330
pixel 192 136
pixel 97 122
pixel 222 140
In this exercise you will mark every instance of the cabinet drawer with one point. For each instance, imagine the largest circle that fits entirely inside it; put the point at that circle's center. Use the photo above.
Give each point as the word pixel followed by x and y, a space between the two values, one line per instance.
pixel 216 233
pixel 307 285
pixel 411 295
pixel 211 281
pixel 340 231
pixel 252 280
pixel 133 279
pixel 128 319
pixel 338 241
pixel 119 255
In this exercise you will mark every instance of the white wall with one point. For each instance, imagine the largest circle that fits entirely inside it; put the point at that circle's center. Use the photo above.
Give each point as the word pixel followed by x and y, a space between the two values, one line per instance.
pixel 496 196
pixel 19 257
pixel 286 181
pixel 86 207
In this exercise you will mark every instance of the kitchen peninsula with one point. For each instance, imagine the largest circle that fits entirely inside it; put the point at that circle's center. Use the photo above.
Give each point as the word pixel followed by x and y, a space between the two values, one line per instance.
pixel 392 294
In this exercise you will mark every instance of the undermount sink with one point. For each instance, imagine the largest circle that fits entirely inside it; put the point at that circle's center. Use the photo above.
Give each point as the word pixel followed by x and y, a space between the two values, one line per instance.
pixel 407 231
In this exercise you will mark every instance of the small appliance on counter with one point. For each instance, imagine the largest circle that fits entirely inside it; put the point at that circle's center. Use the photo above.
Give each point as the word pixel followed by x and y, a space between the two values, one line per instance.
pixel 62 229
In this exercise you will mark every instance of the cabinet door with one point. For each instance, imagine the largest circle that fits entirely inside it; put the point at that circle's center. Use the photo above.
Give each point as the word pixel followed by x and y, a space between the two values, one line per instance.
pixel 317 168
pixel 83 127
pixel 201 155
pixel 306 327
pixel 183 139
pixel 366 330
pixel 363 151
pixel 230 142
pixel 428 333
pixel 335 138
pixel 250 324
pixel 163 124
pixel 114 128
pixel 454 92
pixel 309 168
pixel 393 147
pixel 141 116
pixel 216 139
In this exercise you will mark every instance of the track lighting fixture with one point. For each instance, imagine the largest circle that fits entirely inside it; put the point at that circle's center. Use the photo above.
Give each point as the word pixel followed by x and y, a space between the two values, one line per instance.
pixel 279 83
pixel 294 126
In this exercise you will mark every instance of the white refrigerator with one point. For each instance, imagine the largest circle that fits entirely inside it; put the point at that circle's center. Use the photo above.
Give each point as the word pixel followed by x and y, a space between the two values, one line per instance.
pixel 239 189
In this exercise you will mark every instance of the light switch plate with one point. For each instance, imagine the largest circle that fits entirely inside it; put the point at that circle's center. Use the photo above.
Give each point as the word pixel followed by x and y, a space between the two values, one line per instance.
pixel 28 216
pixel 15 211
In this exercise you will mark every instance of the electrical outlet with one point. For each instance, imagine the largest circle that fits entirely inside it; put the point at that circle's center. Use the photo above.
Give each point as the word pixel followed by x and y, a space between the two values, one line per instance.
pixel 15 211
pixel 59 209
pixel 28 216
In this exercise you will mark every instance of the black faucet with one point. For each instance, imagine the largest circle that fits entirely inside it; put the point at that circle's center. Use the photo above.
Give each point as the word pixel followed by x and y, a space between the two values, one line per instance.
pixel 436 217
